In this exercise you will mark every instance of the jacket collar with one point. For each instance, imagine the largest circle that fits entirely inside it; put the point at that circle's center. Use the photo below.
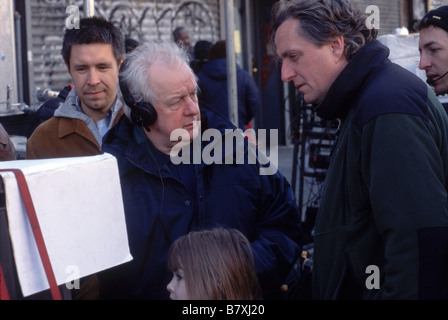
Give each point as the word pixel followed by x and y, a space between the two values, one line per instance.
pixel 347 85
pixel 68 126
pixel 72 119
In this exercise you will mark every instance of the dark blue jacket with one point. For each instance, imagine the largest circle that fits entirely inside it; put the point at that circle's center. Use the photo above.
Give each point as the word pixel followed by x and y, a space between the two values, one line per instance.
pixel 159 208
pixel 213 91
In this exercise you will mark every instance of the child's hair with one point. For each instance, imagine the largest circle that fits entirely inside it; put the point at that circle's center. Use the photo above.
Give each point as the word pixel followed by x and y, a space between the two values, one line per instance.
pixel 217 265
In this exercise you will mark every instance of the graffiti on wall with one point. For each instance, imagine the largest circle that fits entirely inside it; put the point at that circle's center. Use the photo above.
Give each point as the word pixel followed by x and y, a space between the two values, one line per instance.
pixel 141 20
pixel 136 21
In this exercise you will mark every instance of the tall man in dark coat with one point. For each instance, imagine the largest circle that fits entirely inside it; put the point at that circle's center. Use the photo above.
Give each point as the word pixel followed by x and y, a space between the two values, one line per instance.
pixel 381 230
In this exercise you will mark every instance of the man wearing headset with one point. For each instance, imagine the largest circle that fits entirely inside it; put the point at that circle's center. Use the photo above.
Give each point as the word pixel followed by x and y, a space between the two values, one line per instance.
pixel 164 200
pixel 433 47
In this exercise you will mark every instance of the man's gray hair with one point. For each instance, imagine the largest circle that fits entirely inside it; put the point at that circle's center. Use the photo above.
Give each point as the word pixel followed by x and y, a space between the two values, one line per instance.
pixel 321 21
pixel 136 74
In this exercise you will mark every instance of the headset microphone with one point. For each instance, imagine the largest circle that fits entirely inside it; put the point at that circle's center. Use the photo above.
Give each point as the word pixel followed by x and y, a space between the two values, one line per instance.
pixel 432 81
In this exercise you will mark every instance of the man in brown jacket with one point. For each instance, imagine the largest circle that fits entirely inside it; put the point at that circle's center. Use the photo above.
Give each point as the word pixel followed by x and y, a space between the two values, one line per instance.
pixel 93 55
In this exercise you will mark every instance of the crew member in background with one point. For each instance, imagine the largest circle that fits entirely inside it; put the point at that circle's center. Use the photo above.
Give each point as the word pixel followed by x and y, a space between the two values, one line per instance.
pixel 433 47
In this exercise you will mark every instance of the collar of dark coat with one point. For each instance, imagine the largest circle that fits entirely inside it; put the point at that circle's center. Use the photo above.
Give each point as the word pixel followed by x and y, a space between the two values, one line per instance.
pixel 347 85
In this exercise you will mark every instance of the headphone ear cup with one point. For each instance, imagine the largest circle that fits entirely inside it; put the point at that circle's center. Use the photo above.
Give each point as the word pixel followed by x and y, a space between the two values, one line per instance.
pixel 143 114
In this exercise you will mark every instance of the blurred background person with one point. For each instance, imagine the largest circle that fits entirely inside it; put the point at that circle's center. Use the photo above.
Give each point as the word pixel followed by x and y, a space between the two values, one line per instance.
pixel 212 81
pixel 182 39
pixel 130 44
pixel 201 51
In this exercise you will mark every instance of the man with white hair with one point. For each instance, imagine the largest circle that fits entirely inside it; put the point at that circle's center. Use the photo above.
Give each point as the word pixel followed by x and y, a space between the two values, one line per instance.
pixel 164 200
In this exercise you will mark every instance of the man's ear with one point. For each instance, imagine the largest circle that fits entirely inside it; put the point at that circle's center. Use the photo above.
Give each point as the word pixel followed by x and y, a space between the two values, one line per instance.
pixel 120 63
pixel 337 47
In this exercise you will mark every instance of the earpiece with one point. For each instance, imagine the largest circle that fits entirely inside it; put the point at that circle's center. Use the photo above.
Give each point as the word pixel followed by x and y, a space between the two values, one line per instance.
pixel 143 113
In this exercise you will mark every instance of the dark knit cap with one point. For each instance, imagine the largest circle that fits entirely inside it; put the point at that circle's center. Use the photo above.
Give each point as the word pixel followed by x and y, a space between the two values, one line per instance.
pixel 437 17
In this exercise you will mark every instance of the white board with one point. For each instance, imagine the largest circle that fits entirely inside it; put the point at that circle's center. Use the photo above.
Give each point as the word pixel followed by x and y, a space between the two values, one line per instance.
pixel 78 203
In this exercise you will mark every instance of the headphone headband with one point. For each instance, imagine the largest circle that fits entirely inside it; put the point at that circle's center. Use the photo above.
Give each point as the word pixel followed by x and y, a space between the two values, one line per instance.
pixel 143 113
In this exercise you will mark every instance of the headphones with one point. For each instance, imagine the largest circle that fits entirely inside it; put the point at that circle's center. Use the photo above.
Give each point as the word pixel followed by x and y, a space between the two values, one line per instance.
pixel 143 113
